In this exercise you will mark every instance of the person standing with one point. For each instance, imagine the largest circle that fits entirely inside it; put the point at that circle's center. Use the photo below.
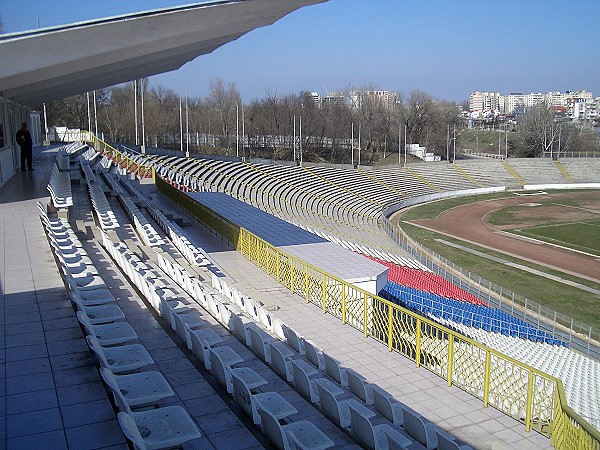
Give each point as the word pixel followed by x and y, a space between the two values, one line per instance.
pixel 26 144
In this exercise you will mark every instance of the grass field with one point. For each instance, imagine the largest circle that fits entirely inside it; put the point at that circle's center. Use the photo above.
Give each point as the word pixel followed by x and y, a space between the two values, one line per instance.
pixel 576 303
pixel 580 236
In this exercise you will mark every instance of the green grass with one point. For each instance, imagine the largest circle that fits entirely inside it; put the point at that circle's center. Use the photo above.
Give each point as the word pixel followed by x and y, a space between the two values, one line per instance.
pixel 581 236
pixel 573 302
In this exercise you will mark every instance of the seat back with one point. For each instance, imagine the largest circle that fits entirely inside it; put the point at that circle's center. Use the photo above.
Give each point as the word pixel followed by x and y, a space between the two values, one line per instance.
pixel 239 328
pixel 334 369
pixel 264 318
pixel 313 354
pixel 220 371
pixel 414 426
pixel 444 443
pixel 272 429
pixel 293 340
pixel 362 428
pixel 241 393
pixel 278 328
pixel 382 402
pixel 329 404
pixel 359 387
pixel 279 362
pixel 130 430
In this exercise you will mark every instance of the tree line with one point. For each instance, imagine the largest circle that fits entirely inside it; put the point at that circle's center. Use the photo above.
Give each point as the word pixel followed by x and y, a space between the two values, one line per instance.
pixel 266 127
pixel 212 124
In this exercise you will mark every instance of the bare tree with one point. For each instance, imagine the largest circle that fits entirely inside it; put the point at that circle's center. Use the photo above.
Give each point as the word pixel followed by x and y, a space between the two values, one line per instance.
pixel 224 99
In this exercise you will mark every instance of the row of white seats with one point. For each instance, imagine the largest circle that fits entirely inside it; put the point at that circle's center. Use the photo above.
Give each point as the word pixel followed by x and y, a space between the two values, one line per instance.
pixel 190 252
pixel 59 187
pixel 108 337
pixel 90 155
pixel 144 228
pixel 73 148
pixel 104 213
pixel 218 359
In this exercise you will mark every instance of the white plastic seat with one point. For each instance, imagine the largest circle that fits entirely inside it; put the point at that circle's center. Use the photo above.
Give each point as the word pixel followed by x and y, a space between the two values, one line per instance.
pixel 278 328
pixel 264 318
pixel 108 334
pixel 305 375
pixel 139 389
pixel 166 427
pixel 240 328
pixel 93 297
pixel 359 386
pixel 252 309
pixel 299 435
pixel 387 406
pixel 101 314
pixel 185 323
pixel 281 359
pixel 314 354
pixel 334 370
pixel 221 360
pixel 293 339
pixel 373 436
pixel 259 341
pixel 245 381
pixel 202 341
pixel 334 402
pixel 126 358
pixel 420 430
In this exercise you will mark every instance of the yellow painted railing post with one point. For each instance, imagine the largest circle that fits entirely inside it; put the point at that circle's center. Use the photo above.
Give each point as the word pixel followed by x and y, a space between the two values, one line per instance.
pixel 343 304
pixel 418 347
pixel 307 285
pixel 390 332
pixel 291 270
pixel 486 382
pixel 277 261
pixel 450 358
pixel 324 293
pixel 365 314
pixel 529 404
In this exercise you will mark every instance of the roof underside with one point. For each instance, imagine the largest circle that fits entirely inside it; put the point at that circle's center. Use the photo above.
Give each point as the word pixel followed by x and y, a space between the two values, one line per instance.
pixel 58 62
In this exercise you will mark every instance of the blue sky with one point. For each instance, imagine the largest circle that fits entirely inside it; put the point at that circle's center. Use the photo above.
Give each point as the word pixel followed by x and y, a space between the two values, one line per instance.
pixel 445 48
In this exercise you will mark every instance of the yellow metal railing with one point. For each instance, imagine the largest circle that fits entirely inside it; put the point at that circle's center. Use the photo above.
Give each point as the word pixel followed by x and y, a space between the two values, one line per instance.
pixel 118 157
pixel 519 390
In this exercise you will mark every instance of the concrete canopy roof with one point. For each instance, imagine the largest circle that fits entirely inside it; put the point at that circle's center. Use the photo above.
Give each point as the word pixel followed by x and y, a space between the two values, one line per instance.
pixel 53 63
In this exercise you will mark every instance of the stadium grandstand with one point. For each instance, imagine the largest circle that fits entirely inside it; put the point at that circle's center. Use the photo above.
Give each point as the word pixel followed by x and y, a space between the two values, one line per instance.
pixel 158 301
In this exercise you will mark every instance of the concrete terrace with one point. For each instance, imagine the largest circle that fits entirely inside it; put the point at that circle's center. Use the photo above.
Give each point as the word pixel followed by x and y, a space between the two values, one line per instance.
pixel 52 395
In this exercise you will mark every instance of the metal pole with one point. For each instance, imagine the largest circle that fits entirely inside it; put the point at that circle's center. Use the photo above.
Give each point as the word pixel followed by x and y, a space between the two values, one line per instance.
pixel 180 126
pixel 143 123
pixel 352 146
pixel 135 111
pixel 89 115
pixel 448 144
pixel 454 143
pixel 405 140
pixel 300 140
pixel 95 116
pixel 187 129
pixel 45 126
pixel 359 129
pixel 506 141
pixel 243 134
pixel 237 131
pixel 399 142
pixel 294 143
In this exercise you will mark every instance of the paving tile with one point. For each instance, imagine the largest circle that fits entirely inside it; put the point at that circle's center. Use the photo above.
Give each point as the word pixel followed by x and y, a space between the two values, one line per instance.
pixel 66 347
pixel 238 438
pixel 26 352
pixel 31 401
pixel 95 435
pixel 80 393
pixel 27 367
pixel 33 422
pixel 87 413
pixel 54 440
pixel 79 375
pixel 21 340
pixel 71 361
pixel 29 383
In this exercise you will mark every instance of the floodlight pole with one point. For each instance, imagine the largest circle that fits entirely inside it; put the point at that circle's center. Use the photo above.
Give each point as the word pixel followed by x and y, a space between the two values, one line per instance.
pixel 143 123
pixel 187 129
pixel 352 146
pixel 95 116
pixel 89 115
pixel 135 111
pixel 294 141
pixel 237 131
pixel 180 125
